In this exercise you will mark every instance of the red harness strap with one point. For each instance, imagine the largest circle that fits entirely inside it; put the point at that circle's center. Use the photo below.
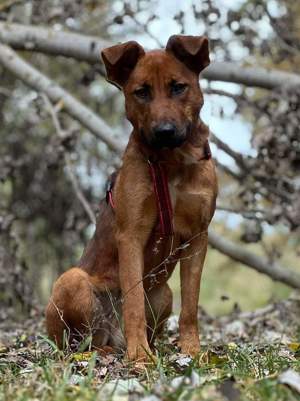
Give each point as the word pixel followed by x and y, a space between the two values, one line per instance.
pixel 162 193
pixel 109 188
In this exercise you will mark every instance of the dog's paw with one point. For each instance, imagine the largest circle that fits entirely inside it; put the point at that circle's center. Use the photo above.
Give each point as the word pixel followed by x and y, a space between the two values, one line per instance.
pixel 191 348
pixel 140 355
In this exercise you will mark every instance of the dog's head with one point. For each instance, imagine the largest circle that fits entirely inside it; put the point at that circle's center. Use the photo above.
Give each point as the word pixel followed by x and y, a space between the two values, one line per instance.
pixel 161 87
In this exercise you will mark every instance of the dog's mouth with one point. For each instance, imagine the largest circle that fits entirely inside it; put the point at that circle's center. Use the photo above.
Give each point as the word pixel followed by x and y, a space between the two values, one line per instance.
pixel 167 142
pixel 166 136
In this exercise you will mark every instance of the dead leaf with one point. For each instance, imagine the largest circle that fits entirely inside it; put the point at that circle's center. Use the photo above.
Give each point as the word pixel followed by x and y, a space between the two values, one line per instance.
pixel 82 356
pixel 294 346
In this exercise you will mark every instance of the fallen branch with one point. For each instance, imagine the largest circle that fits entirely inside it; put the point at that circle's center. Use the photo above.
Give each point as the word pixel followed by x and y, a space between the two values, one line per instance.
pixel 41 83
pixel 87 48
pixel 258 263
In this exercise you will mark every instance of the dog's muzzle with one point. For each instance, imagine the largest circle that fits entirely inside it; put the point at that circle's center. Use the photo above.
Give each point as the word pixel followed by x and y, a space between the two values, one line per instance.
pixel 166 135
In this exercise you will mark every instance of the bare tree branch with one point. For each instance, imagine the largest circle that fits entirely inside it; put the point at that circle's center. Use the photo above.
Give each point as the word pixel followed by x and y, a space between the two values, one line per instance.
pixel 227 170
pixel 237 157
pixel 50 41
pixel 261 215
pixel 256 214
pixel 41 83
pixel 87 48
pixel 74 181
pixel 221 92
pixel 78 192
pixel 260 77
pixel 259 263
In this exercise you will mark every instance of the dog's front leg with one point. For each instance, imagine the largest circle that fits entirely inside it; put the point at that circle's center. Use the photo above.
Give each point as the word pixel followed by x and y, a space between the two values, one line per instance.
pixel 191 264
pixel 131 280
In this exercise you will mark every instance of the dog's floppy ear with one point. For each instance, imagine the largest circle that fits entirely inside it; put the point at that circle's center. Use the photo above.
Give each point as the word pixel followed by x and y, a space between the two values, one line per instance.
pixel 120 60
pixel 193 51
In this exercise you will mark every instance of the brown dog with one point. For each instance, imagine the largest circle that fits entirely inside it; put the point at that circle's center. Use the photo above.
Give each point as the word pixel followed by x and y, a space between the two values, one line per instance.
pixel 125 267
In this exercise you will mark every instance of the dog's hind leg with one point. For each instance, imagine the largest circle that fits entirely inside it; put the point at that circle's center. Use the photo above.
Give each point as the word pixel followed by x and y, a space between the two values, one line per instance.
pixel 77 310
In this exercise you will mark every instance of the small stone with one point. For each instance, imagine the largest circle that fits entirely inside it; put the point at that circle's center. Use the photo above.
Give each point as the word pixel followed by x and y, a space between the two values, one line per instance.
pixel 172 323
pixel 75 379
pixel 235 328
pixel 290 378
pixel 177 382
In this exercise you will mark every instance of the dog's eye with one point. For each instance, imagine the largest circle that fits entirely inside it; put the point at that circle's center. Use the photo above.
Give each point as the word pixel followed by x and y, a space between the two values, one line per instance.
pixel 142 93
pixel 177 88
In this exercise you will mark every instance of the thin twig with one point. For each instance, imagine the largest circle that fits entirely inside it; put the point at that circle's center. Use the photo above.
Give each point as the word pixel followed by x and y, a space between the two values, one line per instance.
pixel 74 181
pixel 221 92
pixel 78 191
pixel 286 46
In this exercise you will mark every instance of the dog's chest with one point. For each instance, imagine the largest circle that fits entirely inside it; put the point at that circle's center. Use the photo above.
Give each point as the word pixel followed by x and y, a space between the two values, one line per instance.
pixel 173 191
pixel 190 202
pixel 181 193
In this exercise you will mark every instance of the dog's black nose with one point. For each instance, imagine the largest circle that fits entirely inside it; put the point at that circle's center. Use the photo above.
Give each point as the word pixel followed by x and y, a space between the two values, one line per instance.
pixel 166 135
pixel 164 131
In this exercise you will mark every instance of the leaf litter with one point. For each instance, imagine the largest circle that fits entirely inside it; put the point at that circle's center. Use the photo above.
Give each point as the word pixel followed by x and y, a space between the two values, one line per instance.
pixel 240 351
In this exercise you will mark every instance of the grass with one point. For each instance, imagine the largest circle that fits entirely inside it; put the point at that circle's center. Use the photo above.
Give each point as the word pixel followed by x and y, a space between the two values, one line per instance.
pixel 241 358
pixel 32 368
pixel 251 371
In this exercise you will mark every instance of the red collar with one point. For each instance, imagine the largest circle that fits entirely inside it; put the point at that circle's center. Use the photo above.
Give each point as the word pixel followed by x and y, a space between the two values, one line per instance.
pixel 207 151
pixel 162 193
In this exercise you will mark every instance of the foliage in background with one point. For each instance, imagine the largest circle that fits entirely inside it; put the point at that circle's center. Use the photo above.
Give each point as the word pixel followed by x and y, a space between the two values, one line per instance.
pixel 48 222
